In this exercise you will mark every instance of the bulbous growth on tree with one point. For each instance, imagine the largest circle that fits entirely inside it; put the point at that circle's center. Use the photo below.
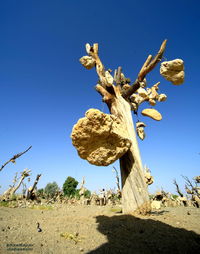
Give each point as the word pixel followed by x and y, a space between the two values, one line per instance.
pixel 100 138
pixel 173 71
pixel 152 113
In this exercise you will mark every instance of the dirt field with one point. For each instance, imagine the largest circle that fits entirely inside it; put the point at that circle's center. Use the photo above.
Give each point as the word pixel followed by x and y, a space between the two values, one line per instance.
pixel 95 229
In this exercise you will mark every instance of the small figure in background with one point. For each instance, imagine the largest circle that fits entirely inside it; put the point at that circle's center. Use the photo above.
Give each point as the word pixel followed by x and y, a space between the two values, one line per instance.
pixel 102 197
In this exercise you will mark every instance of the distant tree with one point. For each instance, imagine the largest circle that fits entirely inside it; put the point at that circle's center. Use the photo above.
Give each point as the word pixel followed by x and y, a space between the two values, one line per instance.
pixel 87 194
pixel 69 186
pixel 51 189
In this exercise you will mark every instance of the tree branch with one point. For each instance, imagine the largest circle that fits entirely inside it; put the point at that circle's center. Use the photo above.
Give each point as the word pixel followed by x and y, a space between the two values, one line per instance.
pixel 127 93
pixel 93 52
pixel 146 63
pixel 188 182
pixel 117 178
pixel 15 157
pixel 149 65
pixel 104 93
pixel 177 188
pixel 146 68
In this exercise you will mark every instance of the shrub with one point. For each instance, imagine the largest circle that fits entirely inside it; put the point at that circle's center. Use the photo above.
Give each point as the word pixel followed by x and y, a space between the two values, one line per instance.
pixel 69 187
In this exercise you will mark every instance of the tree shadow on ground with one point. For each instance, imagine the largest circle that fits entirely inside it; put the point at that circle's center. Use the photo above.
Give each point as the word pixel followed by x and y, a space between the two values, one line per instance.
pixel 128 234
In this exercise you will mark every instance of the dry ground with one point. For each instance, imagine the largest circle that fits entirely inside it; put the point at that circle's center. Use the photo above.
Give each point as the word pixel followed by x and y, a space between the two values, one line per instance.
pixel 96 229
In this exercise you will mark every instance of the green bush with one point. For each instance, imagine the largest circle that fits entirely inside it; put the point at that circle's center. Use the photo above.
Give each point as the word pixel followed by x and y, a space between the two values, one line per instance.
pixel 51 189
pixel 69 187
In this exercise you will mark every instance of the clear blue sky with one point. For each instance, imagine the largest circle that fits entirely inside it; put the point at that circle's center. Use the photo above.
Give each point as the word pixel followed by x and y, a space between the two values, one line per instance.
pixel 45 90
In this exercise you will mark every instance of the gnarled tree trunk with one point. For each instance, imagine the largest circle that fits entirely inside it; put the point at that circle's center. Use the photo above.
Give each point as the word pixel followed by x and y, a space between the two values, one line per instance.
pixel 134 187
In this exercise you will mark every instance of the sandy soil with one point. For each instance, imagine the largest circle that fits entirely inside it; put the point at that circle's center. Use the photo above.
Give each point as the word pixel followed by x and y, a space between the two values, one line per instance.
pixel 95 229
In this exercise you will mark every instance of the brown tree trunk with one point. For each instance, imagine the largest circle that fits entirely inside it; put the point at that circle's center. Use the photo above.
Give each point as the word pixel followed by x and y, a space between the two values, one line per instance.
pixel 134 189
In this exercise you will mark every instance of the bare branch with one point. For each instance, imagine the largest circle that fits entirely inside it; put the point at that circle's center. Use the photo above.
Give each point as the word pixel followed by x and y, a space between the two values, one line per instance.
pixel 146 68
pixel 132 89
pixel 117 179
pixel 146 63
pixel 188 190
pixel 149 65
pixel 177 188
pixel 188 182
pixel 104 93
pixel 103 75
pixel 118 75
pixel 15 157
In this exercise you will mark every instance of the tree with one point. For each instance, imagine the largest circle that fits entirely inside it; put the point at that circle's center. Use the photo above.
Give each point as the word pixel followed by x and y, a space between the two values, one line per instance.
pixel 122 98
pixel 69 187
pixel 51 189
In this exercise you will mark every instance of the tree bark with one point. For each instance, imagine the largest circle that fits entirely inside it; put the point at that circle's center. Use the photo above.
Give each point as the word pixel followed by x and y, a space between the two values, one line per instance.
pixel 134 189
